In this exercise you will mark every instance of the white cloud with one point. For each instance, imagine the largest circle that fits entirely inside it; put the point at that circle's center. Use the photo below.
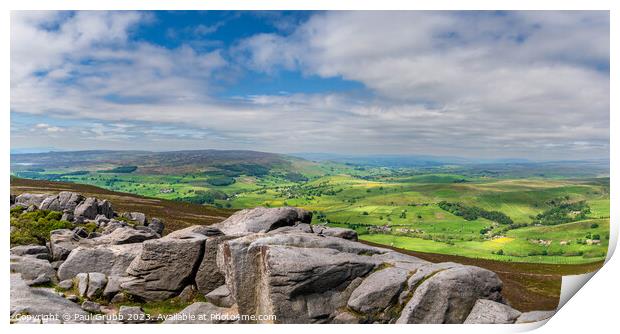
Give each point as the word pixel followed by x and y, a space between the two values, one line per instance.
pixel 472 84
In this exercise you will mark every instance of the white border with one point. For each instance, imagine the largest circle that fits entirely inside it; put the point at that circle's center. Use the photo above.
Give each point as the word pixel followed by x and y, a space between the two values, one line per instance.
pixel 594 307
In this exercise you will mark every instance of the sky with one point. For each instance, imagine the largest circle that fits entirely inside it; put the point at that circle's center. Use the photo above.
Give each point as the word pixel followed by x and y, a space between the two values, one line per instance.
pixel 519 84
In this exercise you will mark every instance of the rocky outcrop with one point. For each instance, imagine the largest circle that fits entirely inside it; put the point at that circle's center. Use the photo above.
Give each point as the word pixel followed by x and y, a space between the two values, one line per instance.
pixel 448 295
pixel 262 220
pixel 257 262
pixel 106 259
pixel 164 266
pixel 26 200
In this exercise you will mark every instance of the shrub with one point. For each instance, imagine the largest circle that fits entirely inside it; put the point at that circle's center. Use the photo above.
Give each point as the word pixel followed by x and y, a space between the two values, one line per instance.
pixel 35 227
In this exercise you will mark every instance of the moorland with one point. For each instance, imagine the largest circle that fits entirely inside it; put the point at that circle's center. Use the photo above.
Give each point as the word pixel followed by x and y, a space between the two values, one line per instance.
pixel 502 210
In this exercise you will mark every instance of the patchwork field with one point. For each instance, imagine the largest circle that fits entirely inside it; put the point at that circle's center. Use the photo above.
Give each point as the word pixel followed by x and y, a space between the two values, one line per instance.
pixel 556 214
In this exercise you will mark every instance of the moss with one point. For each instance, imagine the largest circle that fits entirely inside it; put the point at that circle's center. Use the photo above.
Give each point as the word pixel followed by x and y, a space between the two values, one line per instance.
pixel 382 266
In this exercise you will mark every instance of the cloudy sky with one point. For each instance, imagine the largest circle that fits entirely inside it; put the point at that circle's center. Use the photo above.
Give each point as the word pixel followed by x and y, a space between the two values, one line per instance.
pixel 473 84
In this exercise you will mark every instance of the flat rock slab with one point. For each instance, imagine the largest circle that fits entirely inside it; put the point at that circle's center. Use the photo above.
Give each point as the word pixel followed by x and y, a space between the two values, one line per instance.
pixel 490 312
pixel 41 302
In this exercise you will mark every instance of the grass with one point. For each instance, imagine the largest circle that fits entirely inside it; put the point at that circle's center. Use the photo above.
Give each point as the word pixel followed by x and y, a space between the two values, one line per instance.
pixel 400 199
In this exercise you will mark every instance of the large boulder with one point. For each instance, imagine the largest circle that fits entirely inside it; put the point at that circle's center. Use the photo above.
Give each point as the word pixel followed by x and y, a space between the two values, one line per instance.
pixel 106 259
pixel 105 208
pixel 138 217
pixel 123 235
pixel 96 284
pixel 209 277
pixel 88 209
pixel 156 225
pixel 33 270
pixel 164 267
pixel 490 312
pixel 29 250
pixel 220 297
pixel 378 291
pixel 300 278
pixel 26 200
pixel 263 220
pixel 62 242
pixel 41 302
pixel 448 296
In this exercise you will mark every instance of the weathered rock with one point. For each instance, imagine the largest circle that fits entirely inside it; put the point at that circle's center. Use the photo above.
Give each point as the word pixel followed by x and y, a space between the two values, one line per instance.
pixel 378 291
pixel 96 284
pixel 26 200
pixel 73 298
pixel 164 266
pixel 490 312
pixel 114 285
pixel 101 219
pixel 534 316
pixel 209 276
pixel 402 261
pixel 33 270
pixel 220 297
pixel 87 209
pixel 202 313
pixel 337 232
pixel 106 259
pixel 119 298
pixel 112 225
pixel 124 235
pixel 62 242
pixel 82 283
pixel 156 225
pixel 56 264
pixel 131 314
pixel 344 317
pixel 40 302
pixel 69 200
pixel 138 217
pixel 188 294
pixel 90 306
pixel 67 216
pixel 66 284
pixel 449 295
pixel 42 279
pixel 80 233
pixel 105 208
pixel 28 250
pixel 297 277
pixel 263 219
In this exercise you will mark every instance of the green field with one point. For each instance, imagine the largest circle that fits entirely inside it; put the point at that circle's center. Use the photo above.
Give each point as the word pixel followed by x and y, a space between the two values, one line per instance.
pixel 398 206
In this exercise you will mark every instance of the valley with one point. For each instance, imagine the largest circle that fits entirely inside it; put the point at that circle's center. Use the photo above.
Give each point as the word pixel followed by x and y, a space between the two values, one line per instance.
pixel 552 213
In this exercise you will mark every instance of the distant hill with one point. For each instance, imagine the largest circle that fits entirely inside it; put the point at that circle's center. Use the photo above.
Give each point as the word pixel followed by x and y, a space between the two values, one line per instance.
pixel 150 162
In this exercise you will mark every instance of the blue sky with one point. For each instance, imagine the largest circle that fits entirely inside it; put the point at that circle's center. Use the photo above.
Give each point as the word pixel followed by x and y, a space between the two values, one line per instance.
pixel 473 84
